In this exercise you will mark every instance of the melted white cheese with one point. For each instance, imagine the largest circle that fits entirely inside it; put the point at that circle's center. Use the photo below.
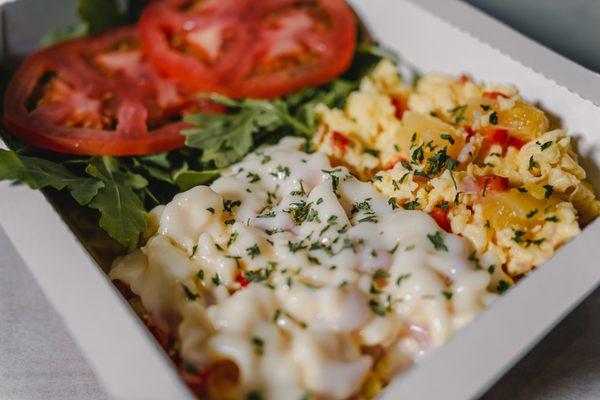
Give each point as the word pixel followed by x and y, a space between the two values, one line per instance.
pixel 333 268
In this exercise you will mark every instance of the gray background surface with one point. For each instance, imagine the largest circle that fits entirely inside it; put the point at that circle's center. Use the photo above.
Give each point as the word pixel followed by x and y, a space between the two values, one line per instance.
pixel 39 360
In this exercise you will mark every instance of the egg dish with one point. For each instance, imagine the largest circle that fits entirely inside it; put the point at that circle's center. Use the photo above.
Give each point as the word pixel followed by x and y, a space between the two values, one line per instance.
pixel 321 270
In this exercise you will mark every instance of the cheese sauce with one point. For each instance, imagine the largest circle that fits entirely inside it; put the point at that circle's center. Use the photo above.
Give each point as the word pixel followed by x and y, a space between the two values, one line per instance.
pixel 297 272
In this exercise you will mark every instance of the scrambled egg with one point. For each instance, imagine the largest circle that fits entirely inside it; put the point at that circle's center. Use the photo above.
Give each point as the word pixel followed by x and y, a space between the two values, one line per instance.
pixel 476 157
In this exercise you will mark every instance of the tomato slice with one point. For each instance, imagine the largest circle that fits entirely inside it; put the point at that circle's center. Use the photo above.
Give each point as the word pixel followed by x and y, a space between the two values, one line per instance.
pixel 300 43
pixel 97 96
pixel 249 49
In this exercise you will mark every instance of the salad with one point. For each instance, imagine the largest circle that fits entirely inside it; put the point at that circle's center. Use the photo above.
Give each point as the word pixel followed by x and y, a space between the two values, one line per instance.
pixel 288 214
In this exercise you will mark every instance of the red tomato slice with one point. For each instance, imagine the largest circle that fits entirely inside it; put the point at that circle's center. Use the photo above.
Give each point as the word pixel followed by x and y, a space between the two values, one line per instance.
pixel 300 43
pixel 249 49
pixel 97 96
pixel 199 43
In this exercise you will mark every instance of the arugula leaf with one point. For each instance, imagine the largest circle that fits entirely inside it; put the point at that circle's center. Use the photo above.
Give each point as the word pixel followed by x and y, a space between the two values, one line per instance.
pixel 96 16
pixel 38 173
pixel 77 30
pixel 100 15
pixel 122 212
pixel 226 138
pixel 186 180
pixel 376 50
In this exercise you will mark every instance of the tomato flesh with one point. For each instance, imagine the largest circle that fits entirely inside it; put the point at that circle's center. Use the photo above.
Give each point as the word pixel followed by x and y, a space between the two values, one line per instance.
pixel 249 49
pixel 97 96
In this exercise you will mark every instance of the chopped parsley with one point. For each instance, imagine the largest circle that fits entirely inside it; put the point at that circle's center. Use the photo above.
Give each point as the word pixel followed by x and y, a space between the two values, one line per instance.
pixel 377 308
pixel 252 177
pixel 294 247
pixel 191 296
pixel 502 287
pixel 544 146
pixel 494 118
pixel 269 214
pixel 447 137
pixel 373 152
pixel 282 172
pixel 401 278
pixel 228 205
pixel 533 164
pixel 440 161
pixel 518 237
pixel 549 190
pixel 381 274
pixel 369 218
pixel 437 240
pixel 299 211
pixel 532 213
pixel 458 113
pixel 393 202
pixel 259 345
pixel 256 276
pixel 253 251
pixel 418 155
pixel 411 205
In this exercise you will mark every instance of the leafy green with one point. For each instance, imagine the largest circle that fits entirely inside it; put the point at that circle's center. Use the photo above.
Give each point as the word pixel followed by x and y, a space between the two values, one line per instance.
pixel 188 179
pixel 100 15
pixel 122 211
pixel 96 16
pixel 77 30
pixel 38 173
pixel 227 138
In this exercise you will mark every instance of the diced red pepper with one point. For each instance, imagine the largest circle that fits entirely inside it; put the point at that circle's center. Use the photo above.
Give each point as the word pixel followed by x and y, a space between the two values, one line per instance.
pixel 340 141
pixel 502 138
pixel 470 131
pixel 494 95
pixel 492 184
pixel 242 281
pixel 400 105
pixel 464 78
pixel 498 136
pixel 515 142
pixel 441 217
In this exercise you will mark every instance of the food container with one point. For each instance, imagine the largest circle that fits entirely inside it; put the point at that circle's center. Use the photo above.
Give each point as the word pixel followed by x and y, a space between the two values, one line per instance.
pixel 430 35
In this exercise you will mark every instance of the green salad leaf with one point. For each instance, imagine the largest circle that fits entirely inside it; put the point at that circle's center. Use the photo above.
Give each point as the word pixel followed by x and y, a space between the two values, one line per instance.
pixel 96 16
pixel 100 15
pixel 227 138
pixel 122 211
pixel 38 173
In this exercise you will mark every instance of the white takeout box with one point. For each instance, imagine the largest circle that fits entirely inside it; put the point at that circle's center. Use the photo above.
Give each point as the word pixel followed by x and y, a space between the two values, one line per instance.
pixel 445 36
